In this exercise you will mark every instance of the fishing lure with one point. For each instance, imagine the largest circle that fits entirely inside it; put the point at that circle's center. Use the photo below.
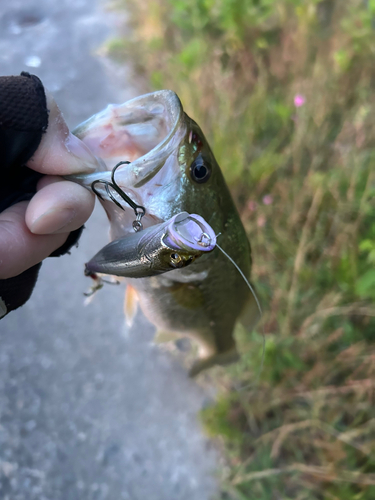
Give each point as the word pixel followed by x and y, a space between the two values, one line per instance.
pixel 170 245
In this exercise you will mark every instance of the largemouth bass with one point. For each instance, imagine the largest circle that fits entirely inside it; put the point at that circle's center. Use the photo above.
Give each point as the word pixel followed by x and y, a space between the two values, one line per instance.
pixel 173 170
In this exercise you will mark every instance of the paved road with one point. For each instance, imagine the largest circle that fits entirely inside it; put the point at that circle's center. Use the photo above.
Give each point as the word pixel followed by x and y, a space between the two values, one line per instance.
pixel 88 409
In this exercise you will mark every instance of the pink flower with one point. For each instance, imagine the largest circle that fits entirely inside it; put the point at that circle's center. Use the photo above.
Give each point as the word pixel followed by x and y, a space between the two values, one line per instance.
pixel 268 199
pixel 299 100
pixel 252 205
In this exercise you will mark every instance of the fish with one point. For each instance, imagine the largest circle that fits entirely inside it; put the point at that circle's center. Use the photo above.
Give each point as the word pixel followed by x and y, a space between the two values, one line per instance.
pixel 170 169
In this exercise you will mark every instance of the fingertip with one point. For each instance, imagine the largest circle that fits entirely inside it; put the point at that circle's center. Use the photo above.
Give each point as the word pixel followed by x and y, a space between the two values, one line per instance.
pixel 59 207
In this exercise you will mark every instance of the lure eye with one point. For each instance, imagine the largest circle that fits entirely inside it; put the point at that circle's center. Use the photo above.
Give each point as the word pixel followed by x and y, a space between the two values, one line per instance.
pixel 176 260
pixel 199 170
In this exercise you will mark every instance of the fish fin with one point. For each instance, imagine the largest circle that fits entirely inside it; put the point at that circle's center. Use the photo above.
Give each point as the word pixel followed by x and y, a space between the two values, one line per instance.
pixel 163 336
pixel 222 358
pixel 130 304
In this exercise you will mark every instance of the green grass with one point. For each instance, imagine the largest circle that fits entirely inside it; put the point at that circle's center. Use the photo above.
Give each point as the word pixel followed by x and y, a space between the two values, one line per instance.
pixel 304 181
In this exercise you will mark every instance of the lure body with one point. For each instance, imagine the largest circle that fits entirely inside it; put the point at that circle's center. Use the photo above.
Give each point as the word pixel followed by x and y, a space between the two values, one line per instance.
pixel 173 170
pixel 170 245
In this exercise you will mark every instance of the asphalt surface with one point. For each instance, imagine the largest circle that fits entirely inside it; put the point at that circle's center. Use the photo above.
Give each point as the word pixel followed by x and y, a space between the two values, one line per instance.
pixel 88 408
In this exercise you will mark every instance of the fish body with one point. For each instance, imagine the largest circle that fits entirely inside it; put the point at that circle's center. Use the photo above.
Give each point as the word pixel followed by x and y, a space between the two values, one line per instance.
pixel 173 170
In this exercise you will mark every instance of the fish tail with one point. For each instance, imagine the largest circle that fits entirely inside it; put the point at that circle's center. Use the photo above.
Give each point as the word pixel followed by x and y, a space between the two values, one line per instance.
pixel 222 358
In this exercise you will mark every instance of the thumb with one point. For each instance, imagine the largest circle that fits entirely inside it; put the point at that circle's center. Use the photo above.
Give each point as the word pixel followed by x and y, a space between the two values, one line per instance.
pixel 60 152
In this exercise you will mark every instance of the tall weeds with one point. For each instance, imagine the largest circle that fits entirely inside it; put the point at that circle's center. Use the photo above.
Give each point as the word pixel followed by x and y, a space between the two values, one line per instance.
pixel 284 91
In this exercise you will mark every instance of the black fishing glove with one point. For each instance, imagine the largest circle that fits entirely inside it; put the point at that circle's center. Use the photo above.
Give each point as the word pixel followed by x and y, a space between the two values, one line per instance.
pixel 23 120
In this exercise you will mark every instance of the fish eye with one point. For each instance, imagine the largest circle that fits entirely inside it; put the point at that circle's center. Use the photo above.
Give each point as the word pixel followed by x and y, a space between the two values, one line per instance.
pixel 176 260
pixel 199 170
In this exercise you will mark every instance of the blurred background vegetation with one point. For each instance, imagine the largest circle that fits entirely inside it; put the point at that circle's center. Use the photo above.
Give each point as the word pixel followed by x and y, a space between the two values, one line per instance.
pixel 284 92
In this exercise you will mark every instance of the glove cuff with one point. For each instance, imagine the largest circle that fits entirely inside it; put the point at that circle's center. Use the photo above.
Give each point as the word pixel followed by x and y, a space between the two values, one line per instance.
pixel 23 118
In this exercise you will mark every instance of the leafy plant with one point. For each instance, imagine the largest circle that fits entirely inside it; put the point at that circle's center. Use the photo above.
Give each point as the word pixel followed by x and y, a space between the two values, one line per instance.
pixel 284 91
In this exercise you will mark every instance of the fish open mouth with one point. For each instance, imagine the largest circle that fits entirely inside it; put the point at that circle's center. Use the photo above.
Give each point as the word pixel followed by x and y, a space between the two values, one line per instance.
pixel 147 132
pixel 143 131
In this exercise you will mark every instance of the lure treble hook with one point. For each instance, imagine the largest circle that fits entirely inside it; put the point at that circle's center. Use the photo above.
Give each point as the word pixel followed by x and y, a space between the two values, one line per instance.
pixel 139 210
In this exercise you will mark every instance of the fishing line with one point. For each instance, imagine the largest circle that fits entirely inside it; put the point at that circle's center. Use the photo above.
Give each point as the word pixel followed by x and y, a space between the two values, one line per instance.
pixel 259 308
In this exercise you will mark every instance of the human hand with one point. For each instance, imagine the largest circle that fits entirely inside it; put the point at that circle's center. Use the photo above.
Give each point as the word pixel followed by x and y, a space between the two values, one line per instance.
pixel 31 231
pixel 41 213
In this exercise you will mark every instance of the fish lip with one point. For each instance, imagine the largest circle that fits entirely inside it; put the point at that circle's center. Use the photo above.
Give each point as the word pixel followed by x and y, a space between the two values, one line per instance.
pixel 172 97
pixel 168 97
